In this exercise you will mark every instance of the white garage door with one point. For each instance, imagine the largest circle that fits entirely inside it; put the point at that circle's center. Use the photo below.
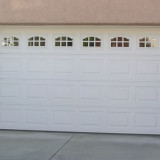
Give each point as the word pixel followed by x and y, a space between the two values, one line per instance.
pixel 81 79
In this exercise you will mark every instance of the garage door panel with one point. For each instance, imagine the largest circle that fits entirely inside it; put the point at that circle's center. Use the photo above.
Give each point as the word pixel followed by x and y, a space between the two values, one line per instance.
pixel 105 89
pixel 91 95
pixel 10 68
pixel 10 93
pixel 64 94
pixel 148 69
pixel 146 120
pixel 9 116
pixel 119 120
pixel 148 95
pixel 120 95
pixel 36 69
pixel 63 117
pixel 36 93
pixel 64 66
pixel 35 118
pixel 90 120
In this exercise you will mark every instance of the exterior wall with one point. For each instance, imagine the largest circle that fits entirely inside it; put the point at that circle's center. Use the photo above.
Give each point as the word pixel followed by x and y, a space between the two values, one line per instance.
pixel 139 12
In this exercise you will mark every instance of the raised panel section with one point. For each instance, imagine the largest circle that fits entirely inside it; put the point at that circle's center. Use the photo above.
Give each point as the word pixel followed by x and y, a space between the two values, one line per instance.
pixel 10 66
pixel 10 116
pixel 63 94
pixel 119 67
pixel 146 120
pixel 35 117
pixel 146 93
pixel 118 119
pixel 37 66
pixel 10 92
pixel 37 93
pixel 147 67
pixel 63 66
pixel 118 93
pixel 63 117
pixel 90 118
pixel 91 95
pixel 91 66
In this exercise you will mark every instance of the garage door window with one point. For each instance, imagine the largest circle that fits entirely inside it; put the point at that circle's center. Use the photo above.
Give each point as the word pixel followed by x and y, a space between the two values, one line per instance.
pixel 36 41
pixel 10 41
pixel 91 42
pixel 148 42
pixel 119 42
pixel 63 42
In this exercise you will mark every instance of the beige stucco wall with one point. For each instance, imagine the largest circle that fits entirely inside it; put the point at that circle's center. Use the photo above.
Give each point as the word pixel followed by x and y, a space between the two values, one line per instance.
pixel 142 12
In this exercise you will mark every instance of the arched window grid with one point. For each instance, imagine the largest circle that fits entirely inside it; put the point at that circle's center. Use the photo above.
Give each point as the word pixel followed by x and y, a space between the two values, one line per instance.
pixel 36 41
pixel 148 42
pixel 63 42
pixel 91 42
pixel 10 41
pixel 120 42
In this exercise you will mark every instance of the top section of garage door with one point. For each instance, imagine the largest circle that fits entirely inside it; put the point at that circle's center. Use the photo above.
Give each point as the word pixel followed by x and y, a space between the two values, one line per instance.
pixel 83 39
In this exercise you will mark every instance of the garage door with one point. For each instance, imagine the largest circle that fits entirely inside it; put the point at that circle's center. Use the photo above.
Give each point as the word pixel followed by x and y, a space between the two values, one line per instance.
pixel 80 79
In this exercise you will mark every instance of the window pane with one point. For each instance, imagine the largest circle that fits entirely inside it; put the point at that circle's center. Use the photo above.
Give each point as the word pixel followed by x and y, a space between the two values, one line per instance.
pixel 57 43
pixel 69 44
pixel 148 44
pixel 119 44
pixel 148 39
pixel 97 39
pixel 155 44
pixel 85 44
pixel 42 39
pixel 91 44
pixel 69 39
pixel 30 43
pixel 142 39
pixel 36 43
pixel 113 44
pixel 98 44
pixel 10 43
pixel 85 39
pixel 126 44
pixel 30 39
pixel 114 39
pixel 63 43
pixel 63 38
pixel 119 38
pixel 126 39
pixel 58 39
pixel 36 38
pixel 15 38
pixel 16 44
pixel 42 43
pixel 91 38
pixel 141 44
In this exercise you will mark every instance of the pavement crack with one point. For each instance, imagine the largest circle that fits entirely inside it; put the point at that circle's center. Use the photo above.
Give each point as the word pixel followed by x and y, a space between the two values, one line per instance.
pixel 62 147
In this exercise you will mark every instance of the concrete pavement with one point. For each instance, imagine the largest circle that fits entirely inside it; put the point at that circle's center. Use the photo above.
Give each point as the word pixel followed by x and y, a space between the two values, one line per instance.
pixel 19 145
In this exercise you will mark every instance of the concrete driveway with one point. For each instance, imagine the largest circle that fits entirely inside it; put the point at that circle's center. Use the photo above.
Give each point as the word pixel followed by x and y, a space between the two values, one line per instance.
pixel 17 145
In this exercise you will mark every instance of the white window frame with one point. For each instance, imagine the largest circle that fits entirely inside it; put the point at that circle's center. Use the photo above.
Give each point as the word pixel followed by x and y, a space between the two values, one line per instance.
pixel 98 35
pixel 144 36
pixel 36 35
pixel 67 48
pixel 7 35
pixel 125 35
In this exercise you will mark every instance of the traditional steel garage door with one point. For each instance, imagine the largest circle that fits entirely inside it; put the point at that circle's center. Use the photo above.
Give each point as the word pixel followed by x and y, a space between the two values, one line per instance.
pixel 81 79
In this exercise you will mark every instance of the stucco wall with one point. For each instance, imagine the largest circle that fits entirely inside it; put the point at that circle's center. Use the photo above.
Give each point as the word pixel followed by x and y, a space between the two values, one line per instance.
pixel 80 12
